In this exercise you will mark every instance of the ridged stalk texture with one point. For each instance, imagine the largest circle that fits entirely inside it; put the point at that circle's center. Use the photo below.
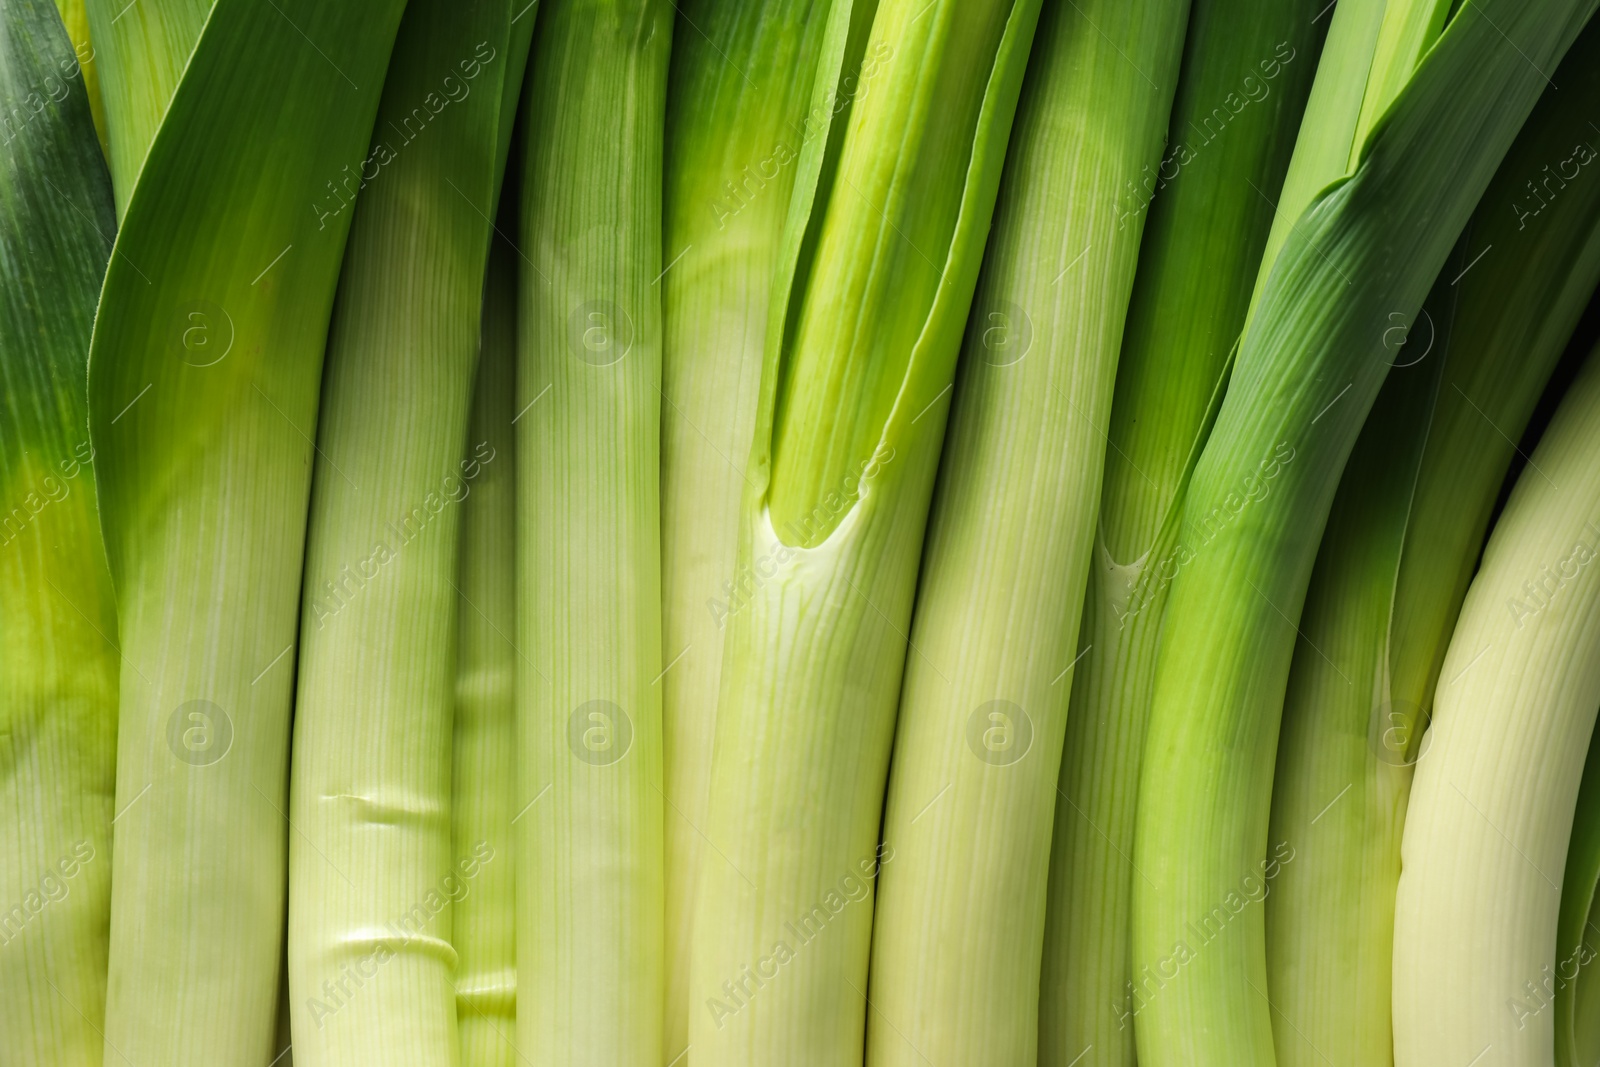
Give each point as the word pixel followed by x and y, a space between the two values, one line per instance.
pixel 1570 985
pixel 1403 539
pixel 75 15
pixel 58 653
pixel 882 253
pixel 372 864
pixel 1246 69
pixel 959 923
pixel 733 149
pixel 1492 804
pixel 204 377
pixel 483 919
pixel 589 805
pixel 1310 364
pixel 1372 48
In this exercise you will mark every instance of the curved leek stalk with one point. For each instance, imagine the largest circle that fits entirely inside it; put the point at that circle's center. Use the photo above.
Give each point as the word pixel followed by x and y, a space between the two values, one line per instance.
pixel 881 257
pixel 1571 984
pixel 959 924
pixel 483 921
pixel 1308 369
pixel 1492 804
pixel 1402 541
pixel 1373 47
pixel 204 377
pixel 1208 220
pixel 58 659
pixel 732 153
pixel 372 865
pixel 589 807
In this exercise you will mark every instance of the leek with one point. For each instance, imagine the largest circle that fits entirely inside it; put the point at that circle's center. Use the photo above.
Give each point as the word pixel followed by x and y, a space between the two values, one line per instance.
pixel 959 924
pixel 882 251
pixel 483 921
pixel 58 659
pixel 1570 984
pixel 372 866
pixel 75 15
pixel 1209 217
pixel 588 843
pixel 732 149
pixel 1310 363
pixel 1492 803
pixel 1373 48
pixel 1404 536
pixel 203 384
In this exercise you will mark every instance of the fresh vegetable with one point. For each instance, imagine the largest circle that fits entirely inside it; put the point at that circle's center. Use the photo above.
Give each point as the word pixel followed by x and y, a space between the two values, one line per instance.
pixel 1403 538
pixel 958 928
pixel 373 868
pixel 58 632
pixel 204 375
pixel 1570 985
pixel 1492 803
pixel 881 257
pixel 732 150
pixel 1312 359
pixel 1209 201
pixel 589 805
pixel 483 919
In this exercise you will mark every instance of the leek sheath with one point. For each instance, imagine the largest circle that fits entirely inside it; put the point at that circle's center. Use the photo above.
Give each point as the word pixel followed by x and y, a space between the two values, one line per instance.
pixel 732 149
pixel 483 921
pixel 373 869
pixel 1403 539
pixel 959 923
pixel 589 805
pixel 882 251
pixel 204 377
pixel 1312 360
pixel 1571 982
pixel 1492 803
pixel 1246 69
pixel 58 657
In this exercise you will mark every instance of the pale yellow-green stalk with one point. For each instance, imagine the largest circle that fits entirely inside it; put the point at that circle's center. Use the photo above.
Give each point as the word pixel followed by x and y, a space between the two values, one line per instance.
pixel 204 377
pixel 1492 803
pixel 588 841
pixel 733 148
pixel 373 868
pixel 959 923
pixel 881 256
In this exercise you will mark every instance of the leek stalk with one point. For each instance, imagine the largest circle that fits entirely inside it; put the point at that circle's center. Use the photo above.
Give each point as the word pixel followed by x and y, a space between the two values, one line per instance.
pixel 1403 538
pixel 1312 360
pixel 372 866
pixel 1210 208
pixel 483 921
pixel 1571 983
pixel 1492 803
pixel 204 376
pixel 959 924
pixel 882 252
pixel 58 657
pixel 733 148
pixel 588 845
